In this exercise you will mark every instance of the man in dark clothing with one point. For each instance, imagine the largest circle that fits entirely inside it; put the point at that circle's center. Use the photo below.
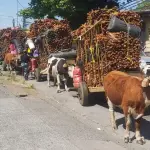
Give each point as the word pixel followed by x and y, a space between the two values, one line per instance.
pixel 25 60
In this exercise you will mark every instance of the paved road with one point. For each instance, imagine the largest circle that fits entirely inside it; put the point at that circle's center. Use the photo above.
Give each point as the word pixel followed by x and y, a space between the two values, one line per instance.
pixel 50 121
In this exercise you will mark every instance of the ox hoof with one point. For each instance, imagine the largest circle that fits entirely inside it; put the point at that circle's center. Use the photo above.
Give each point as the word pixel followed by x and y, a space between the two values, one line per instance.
pixel 127 140
pixel 115 127
pixel 58 91
pixel 140 141
pixel 49 85
pixel 67 90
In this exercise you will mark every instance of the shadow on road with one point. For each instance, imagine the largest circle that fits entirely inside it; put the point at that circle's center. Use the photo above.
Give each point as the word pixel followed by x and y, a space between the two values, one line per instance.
pixel 145 128
pixel 100 99
pixel 145 125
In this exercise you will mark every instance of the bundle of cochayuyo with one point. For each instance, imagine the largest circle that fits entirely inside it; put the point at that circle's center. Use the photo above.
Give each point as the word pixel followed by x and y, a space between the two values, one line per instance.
pixel 102 51
pixel 55 35
pixel 7 35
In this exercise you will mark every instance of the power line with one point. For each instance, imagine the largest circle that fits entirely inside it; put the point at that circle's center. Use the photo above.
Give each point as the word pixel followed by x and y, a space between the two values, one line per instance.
pixel 7 16
pixel 17 12
pixel 10 18
pixel 20 4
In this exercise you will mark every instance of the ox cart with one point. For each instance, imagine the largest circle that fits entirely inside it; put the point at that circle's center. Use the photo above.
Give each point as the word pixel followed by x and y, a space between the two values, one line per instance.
pixel 95 60
pixel 84 90
pixel 69 55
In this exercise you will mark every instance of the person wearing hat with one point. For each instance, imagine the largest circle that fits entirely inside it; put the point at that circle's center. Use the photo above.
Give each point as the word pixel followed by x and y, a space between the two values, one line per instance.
pixel 25 60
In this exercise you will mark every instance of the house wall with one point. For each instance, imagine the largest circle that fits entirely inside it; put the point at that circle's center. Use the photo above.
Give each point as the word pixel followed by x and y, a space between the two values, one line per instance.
pixel 145 35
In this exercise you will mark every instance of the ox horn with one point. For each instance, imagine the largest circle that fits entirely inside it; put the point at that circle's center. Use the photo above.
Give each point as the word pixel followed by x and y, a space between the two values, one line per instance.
pixel 65 65
pixel 145 82
pixel 139 116
pixel 149 80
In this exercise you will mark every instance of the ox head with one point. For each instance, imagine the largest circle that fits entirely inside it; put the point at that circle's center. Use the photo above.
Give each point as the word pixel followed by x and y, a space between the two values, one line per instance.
pixel 65 65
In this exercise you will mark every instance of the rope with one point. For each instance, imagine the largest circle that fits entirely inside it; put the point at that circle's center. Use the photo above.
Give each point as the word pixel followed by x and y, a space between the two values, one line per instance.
pixel 91 47
pixel 127 55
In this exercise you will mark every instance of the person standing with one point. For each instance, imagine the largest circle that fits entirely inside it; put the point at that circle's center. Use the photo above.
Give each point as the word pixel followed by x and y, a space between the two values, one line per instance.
pixel 12 48
pixel 30 45
pixel 25 60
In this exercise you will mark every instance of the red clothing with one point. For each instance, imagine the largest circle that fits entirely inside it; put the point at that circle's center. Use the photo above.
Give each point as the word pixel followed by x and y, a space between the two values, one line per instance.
pixel 12 49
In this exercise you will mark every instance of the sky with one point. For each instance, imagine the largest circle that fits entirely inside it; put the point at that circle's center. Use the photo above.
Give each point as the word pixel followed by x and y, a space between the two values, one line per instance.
pixel 8 9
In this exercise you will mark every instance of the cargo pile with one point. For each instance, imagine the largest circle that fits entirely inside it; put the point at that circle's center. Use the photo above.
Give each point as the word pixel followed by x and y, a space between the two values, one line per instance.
pixel 4 40
pixel 103 51
pixel 8 35
pixel 55 35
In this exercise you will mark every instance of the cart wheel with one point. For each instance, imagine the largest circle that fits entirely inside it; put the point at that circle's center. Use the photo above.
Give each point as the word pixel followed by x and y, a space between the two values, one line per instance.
pixel 37 74
pixel 83 94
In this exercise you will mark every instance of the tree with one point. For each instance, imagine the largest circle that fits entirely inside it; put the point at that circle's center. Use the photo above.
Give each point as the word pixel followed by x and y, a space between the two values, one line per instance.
pixel 144 5
pixel 75 11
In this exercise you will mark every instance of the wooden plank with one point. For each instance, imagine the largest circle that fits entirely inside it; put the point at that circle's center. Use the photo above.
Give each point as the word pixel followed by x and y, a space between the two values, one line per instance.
pixel 96 89
pixel 71 61
pixel 44 72
pixel 97 23
pixel 137 73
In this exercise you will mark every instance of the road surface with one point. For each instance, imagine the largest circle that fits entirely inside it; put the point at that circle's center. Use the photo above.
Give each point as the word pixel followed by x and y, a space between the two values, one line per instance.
pixel 45 120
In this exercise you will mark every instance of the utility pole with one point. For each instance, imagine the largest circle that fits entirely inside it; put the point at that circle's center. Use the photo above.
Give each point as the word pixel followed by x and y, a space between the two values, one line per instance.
pixel 17 12
pixel 24 22
pixel 13 22
pixel 13 19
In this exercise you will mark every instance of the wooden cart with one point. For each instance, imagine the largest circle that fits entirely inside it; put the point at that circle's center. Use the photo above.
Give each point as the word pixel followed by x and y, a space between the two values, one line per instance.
pixel 84 90
pixel 69 55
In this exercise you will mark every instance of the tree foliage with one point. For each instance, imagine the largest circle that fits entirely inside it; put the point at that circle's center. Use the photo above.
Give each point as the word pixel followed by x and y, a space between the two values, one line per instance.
pixel 27 13
pixel 74 11
pixel 145 5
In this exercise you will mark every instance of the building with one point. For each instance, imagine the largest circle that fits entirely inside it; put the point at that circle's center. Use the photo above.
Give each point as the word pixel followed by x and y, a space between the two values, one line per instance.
pixel 145 34
pixel 145 16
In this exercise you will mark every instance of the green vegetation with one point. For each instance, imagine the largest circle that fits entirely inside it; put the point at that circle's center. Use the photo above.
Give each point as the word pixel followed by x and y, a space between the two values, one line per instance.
pixel 145 5
pixel 74 11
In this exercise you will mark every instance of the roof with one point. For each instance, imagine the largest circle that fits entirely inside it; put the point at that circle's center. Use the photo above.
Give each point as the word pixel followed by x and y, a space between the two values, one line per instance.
pixel 147 11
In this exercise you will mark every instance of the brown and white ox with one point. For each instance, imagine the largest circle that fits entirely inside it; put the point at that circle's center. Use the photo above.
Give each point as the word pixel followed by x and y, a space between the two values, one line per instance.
pixel 130 93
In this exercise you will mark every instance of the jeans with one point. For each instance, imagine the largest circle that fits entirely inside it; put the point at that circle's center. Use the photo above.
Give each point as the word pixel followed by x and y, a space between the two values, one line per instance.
pixel 25 70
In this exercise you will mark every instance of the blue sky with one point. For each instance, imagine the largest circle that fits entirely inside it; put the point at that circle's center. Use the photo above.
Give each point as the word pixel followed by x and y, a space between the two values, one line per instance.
pixel 9 8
